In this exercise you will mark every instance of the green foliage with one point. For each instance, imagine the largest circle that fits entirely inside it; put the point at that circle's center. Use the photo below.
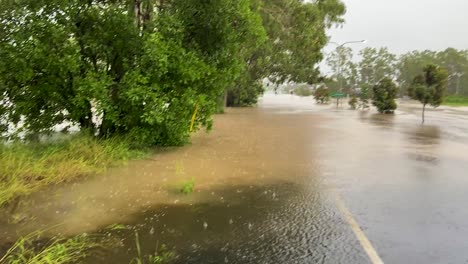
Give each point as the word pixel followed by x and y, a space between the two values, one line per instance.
pixel 375 65
pixel 295 36
pixel 31 249
pixel 343 68
pixel 454 61
pixel 364 97
pixel 161 255
pixel 454 100
pixel 322 95
pixel 429 88
pixel 384 94
pixel 353 102
pixel 29 167
pixel 188 187
pixel 142 69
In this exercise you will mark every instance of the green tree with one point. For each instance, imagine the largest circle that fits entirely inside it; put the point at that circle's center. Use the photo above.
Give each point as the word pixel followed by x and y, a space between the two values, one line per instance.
pixel 429 88
pixel 410 65
pixel 364 97
pixel 375 65
pixel 353 102
pixel 456 64
pixel 384 94
pixel 344 70
pixel 145 68
pixel 296 35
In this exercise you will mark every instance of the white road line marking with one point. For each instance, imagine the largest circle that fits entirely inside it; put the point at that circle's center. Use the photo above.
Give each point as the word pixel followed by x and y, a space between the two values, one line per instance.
pixel 363 240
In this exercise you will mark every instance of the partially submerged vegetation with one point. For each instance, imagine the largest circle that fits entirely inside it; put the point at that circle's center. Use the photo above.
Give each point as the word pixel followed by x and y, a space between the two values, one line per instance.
pixel 161 254
pixel 455 100
pixel 37 249
pixel 32 249
pixel 322 95
pixel 154 71
pixel 28 167
pixel 429 87
pixel 188 187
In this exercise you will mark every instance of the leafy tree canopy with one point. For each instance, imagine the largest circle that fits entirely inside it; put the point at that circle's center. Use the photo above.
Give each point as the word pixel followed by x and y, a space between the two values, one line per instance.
pixel 429 87
pixel 384 94
pixel 147 68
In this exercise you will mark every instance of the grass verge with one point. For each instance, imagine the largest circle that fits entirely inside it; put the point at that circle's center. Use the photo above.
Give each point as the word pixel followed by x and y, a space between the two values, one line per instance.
pixel 28 167
pixel 454 100
pixel 31 249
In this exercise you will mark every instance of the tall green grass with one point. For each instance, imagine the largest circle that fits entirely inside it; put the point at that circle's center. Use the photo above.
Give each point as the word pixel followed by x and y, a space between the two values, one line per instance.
pixel 32 250
pixel 28 167
pixel 454 100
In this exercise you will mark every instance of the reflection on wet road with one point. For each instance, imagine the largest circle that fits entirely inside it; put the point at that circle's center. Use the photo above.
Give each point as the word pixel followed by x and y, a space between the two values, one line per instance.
pixel 266 184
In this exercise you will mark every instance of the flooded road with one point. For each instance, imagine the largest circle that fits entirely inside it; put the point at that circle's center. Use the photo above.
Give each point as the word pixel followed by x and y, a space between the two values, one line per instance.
pixel 266 186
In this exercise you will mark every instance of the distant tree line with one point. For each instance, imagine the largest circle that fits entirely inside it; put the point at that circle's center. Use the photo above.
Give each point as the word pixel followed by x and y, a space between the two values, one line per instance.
pixel 153 70
pixel 376 64
pixel 424 76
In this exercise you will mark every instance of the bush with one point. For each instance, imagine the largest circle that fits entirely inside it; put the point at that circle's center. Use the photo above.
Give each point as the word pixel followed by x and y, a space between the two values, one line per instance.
pixel 384 94
pixel 322 95
pixel 353 102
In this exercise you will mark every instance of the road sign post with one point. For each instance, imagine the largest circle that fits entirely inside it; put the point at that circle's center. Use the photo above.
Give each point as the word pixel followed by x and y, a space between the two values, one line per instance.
pixel 338 96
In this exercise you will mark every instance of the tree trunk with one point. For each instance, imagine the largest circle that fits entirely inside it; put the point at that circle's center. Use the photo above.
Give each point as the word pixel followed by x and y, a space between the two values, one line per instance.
pixel 423 113
pixel 138 13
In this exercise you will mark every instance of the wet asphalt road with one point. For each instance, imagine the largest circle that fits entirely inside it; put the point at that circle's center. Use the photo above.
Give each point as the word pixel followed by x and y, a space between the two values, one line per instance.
pixel 405 183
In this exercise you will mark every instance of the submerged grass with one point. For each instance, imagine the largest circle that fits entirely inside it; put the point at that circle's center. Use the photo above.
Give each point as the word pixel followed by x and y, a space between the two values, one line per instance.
pixel 160 256
pixel 28 167
pixel 454 100
pixel 188 187
pixel 31 249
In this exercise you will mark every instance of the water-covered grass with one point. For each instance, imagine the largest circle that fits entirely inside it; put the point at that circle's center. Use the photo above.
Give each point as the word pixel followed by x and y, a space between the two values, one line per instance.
pixel 455 100
pixel 32 249
pixel 28 167
pixel 160 256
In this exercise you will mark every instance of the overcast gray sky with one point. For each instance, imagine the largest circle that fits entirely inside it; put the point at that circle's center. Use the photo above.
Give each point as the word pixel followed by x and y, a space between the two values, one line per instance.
pixel 404 25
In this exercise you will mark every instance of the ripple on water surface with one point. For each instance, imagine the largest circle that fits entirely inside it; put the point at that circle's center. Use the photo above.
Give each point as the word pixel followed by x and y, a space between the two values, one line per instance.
pixel 287 223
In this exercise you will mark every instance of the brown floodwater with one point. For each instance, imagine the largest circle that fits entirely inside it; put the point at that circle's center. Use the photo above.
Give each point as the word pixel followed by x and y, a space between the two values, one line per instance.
pixel 263 190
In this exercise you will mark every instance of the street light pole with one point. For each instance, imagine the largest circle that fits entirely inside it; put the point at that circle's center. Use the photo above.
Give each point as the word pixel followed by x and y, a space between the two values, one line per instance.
pixel 341 62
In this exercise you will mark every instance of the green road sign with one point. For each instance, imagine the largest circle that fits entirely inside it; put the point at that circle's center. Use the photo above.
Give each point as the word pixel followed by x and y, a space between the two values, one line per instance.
pixel 338 95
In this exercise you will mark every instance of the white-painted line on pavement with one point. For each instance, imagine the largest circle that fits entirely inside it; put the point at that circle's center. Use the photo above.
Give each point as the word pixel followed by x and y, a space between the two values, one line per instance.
pixel 363 240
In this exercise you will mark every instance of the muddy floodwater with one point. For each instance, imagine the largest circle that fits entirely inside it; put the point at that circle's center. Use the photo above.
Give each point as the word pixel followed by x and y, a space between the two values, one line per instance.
pixel 266 186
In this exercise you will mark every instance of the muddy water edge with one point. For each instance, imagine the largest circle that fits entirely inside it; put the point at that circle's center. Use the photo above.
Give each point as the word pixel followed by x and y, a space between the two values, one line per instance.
pixel 265 180
pixel 252 174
